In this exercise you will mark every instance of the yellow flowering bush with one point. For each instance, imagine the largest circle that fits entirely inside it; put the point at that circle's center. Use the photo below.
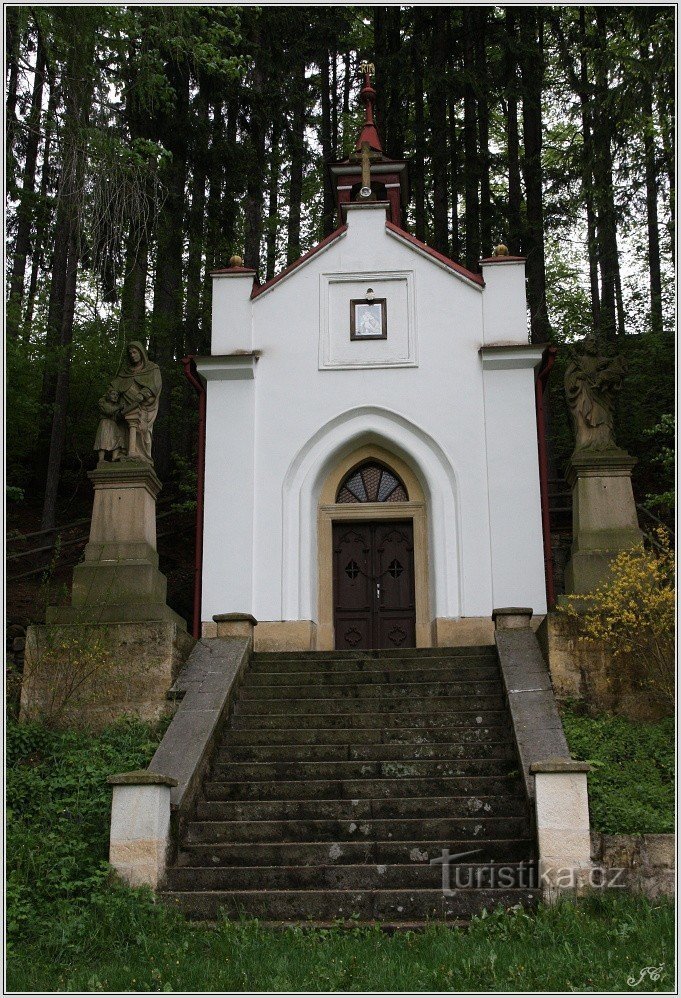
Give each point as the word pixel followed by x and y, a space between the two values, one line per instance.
pixel 633 613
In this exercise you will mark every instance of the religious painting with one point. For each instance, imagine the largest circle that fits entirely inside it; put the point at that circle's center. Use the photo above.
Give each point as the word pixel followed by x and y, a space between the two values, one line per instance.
pixel 368 319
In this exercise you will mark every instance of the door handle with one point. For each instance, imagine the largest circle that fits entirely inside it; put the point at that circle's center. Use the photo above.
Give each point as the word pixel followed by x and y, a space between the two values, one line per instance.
pixel 378 590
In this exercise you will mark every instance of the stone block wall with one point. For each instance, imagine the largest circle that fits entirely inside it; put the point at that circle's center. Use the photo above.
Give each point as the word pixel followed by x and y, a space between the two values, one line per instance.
pixel 647 862
pixel 588 672
pixel 92 674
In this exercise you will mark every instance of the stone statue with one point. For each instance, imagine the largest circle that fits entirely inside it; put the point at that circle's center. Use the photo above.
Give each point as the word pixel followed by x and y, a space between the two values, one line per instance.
pixel 129 408
pixel 111 432
pixel 591 383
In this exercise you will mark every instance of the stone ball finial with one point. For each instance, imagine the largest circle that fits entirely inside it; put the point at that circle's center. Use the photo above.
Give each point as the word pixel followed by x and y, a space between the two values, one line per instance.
pixel 236 261
pixel 500 250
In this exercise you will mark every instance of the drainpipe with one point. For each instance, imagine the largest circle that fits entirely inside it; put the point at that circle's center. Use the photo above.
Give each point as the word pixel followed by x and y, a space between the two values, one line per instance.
pixel 547 362
pixel 191 374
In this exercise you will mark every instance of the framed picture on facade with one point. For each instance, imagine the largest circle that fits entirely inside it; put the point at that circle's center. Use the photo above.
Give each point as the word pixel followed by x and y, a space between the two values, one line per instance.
pixel 368 320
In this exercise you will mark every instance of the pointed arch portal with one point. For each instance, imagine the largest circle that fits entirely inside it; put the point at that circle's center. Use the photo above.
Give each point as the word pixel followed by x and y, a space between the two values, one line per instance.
pixel 309 497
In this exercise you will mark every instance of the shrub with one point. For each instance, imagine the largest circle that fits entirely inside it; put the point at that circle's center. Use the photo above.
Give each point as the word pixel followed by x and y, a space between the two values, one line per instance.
pixel 633 614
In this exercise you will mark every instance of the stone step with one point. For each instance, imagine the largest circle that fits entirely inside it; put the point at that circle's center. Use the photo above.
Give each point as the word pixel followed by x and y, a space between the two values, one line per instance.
pixel 313 854
pixel 386 691
pixel 385 905
pixel 328 830
pixel 365 876
pixel 421 718
pixel 359 769
pixel 361 672
pixel 460 786
pixel 501 805
pixel 405 705
pixel 464 651
pixel 354 752
pixel 358 737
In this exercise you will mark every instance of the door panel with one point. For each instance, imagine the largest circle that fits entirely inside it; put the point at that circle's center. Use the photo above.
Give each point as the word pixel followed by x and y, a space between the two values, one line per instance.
pixel 373 585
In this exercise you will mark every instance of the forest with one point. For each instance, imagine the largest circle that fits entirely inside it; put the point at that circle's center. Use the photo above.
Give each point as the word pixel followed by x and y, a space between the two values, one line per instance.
pixel 145 145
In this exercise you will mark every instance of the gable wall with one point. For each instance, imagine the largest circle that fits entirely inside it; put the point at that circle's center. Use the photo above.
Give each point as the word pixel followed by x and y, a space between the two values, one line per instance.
pixel 438 402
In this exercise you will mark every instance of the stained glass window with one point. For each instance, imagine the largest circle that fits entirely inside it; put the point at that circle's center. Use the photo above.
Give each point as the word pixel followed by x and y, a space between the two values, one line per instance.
pixel 371 482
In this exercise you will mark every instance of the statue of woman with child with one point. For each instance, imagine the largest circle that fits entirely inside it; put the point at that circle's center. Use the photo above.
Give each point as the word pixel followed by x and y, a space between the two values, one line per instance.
pixel 129 408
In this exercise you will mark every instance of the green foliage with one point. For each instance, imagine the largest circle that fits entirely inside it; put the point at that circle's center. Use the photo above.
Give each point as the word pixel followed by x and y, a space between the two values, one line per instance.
pixel 662 437
pixel 185 479
pixel 58 805
pixel 631 789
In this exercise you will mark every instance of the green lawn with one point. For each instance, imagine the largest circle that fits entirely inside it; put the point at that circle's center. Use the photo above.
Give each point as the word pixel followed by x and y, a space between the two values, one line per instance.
pixel 72 927
pixel 130 945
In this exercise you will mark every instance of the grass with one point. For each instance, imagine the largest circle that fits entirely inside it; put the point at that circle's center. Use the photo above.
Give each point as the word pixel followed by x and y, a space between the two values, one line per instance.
pixel 135 946
pixel 73 927
pixel 631 786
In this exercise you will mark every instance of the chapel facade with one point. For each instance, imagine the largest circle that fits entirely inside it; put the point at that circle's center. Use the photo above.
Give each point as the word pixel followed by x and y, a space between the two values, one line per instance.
pixel 371 436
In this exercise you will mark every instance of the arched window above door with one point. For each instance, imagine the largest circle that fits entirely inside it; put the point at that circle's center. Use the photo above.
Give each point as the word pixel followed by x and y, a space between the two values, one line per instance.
pixel 371 482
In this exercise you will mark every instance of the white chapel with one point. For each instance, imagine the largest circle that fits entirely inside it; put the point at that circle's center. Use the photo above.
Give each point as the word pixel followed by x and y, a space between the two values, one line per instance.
pixel 371 437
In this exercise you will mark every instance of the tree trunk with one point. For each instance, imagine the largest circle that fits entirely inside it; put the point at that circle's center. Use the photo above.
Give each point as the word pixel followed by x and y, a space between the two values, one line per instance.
pixel 579 81
pixel 530 20
pixel 61 389
pixel 167 339
pixel 133 295
pixel 334 104
pixel 12 39
pixel 43 210
pixel 346 89
pixel 437 105
pixel 587 172
pixel 77 100
pixel 390 72
pixel 483 130
pixel 215 243
pixel 255 184
pixel 201 130
pixel 418 164
pixel 665 90
pixel 514 223
pixel 273 217
pixel 604 194
pixel 296 155
pixel 471 162
pixel 25 211
pixel 651 177
pixel 454 177
pixel 326 143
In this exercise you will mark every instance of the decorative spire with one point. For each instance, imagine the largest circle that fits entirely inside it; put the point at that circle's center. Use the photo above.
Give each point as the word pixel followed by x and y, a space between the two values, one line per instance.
pixel 369 133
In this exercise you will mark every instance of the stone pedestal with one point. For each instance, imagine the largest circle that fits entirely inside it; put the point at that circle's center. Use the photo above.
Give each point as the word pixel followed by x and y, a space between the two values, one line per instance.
pixel 119 647
pixel 119 579
pixel 604 520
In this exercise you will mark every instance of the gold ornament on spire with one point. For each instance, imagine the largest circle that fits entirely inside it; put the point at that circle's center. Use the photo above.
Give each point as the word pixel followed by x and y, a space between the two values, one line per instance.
pixel 367 68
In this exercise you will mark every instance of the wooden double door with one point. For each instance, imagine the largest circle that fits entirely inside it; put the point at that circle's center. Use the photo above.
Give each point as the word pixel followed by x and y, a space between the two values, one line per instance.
pixel 373 584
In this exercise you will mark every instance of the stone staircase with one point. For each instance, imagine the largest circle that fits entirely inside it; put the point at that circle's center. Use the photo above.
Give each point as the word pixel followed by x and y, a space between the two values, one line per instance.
pixel 341 775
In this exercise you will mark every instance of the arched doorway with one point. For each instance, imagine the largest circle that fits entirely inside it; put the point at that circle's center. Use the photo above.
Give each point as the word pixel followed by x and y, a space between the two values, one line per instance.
pixel 373 559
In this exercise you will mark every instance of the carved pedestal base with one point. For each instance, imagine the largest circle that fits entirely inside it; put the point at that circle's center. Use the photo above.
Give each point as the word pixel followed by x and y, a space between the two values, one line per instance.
pixel 119 579
pixel 118 647
pixel 604 520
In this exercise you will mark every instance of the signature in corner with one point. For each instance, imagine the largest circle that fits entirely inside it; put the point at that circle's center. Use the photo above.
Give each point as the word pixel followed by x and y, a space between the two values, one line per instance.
pixel 652 973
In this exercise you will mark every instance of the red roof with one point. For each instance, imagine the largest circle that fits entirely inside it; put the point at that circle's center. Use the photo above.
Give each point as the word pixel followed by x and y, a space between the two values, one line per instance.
pixel 440 257
pixel 301 259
